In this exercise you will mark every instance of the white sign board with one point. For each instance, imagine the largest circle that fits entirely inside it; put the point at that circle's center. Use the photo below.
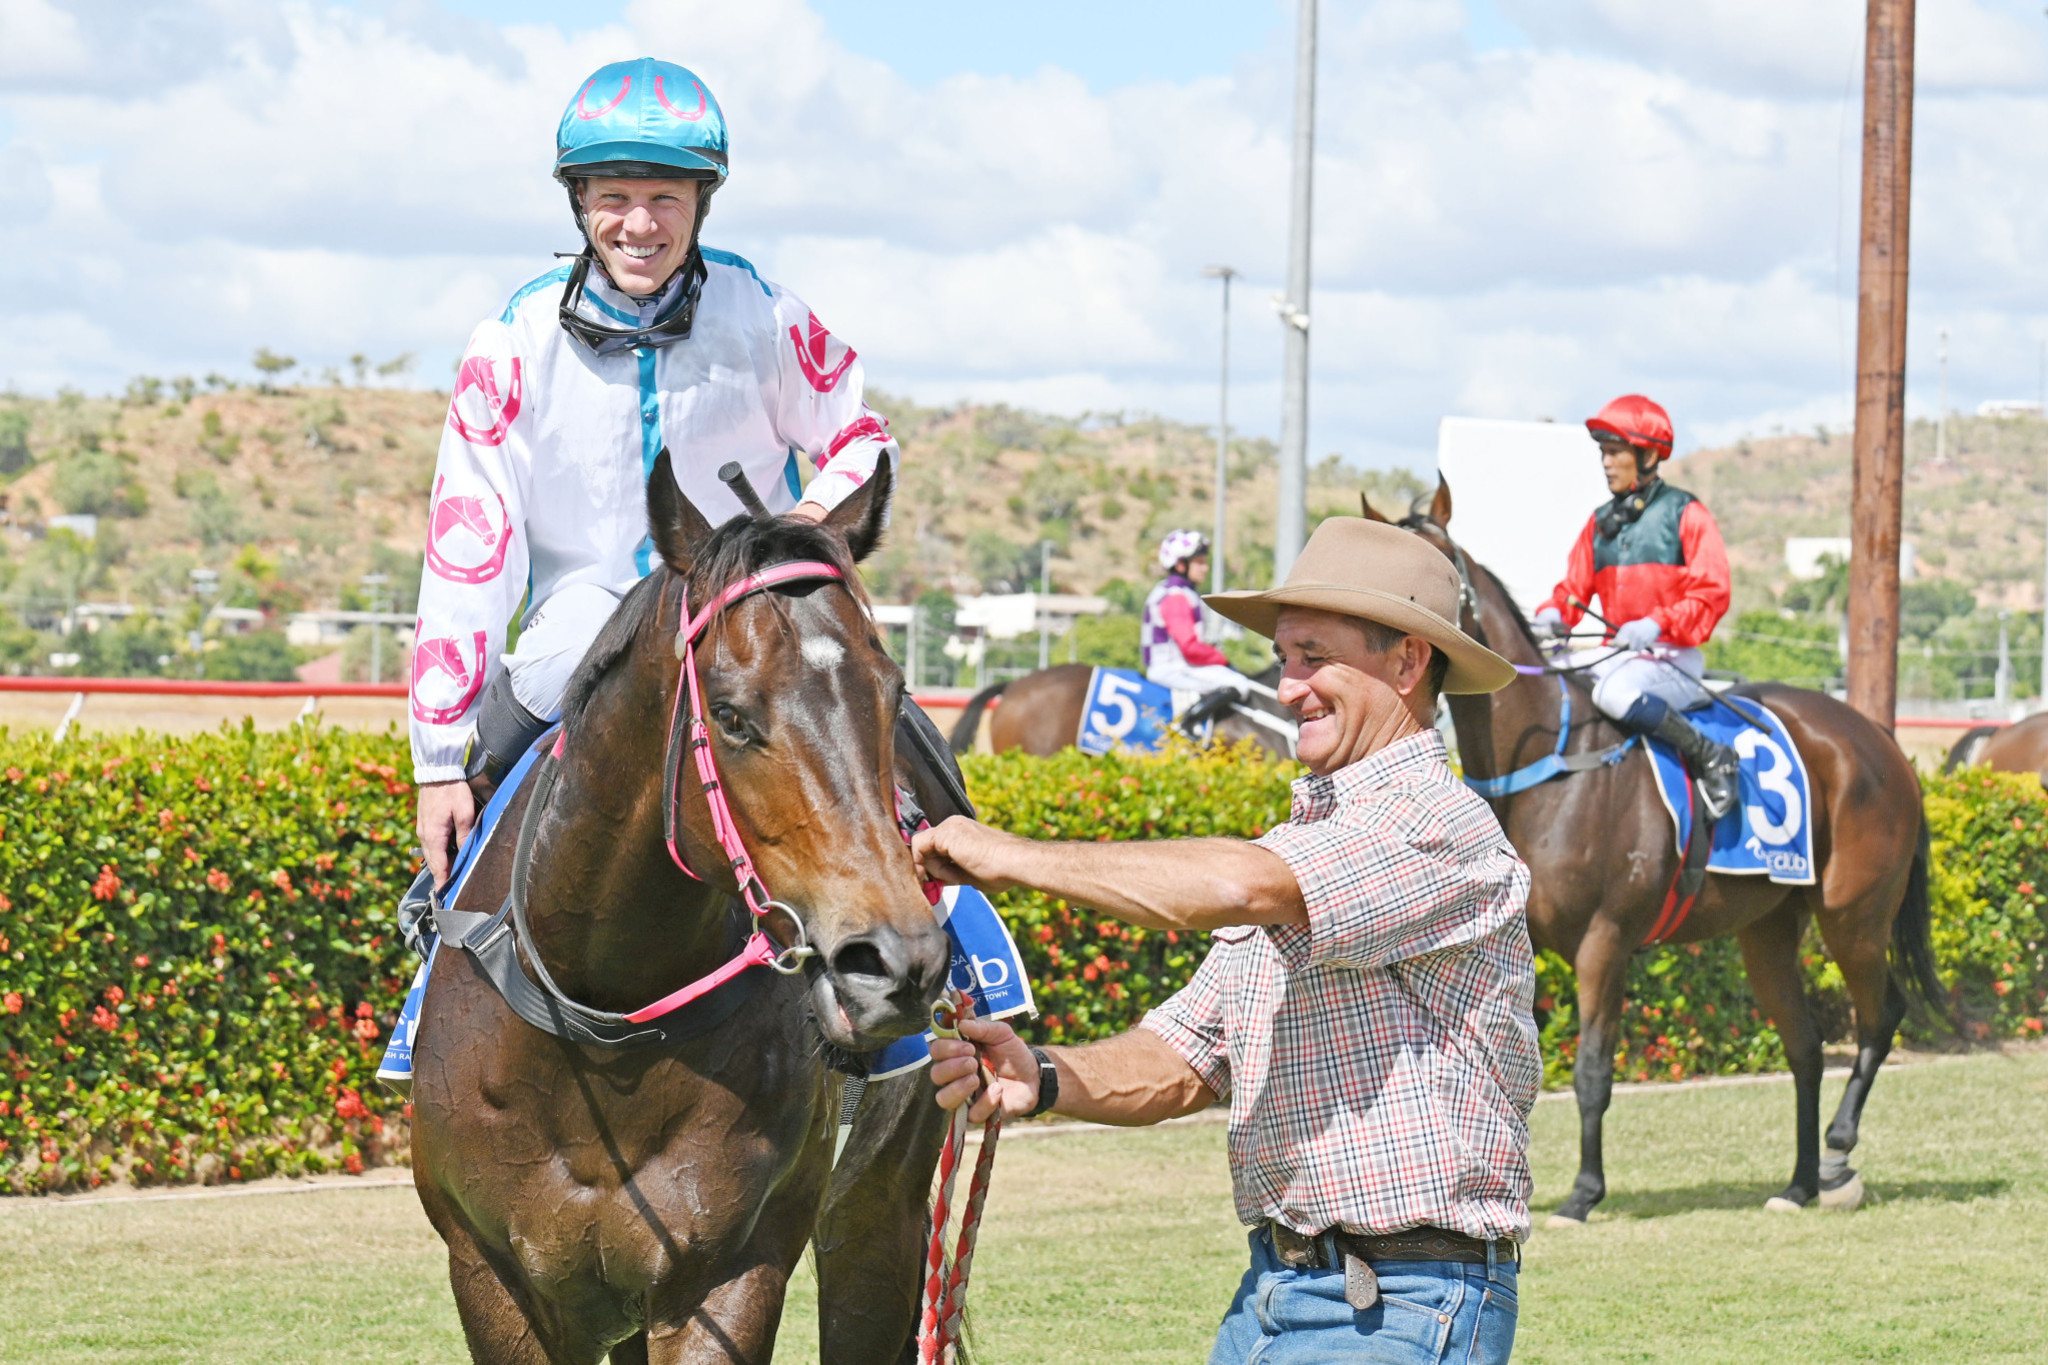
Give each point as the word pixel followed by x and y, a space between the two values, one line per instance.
pixel 1520 495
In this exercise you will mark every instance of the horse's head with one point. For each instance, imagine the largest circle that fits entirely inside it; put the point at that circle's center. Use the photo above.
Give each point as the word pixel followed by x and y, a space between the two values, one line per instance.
pixel 1486 612
pixel 800 701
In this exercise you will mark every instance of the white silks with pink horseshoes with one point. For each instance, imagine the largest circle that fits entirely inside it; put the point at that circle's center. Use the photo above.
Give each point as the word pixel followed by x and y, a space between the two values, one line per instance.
pixel 541 479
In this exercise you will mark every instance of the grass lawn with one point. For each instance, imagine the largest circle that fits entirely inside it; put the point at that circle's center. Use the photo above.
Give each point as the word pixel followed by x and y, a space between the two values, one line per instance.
pixel 1122 1246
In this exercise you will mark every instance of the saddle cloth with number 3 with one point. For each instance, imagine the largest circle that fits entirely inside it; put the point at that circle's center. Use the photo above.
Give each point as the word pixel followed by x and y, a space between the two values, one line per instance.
pixel 1770 832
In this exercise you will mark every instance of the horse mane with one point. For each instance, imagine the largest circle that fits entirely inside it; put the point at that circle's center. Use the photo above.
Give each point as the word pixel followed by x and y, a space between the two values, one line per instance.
pixel 741 546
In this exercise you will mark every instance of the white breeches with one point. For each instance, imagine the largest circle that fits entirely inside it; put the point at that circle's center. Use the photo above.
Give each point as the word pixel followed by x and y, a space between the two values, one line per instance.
pixel 1186 677
pixel 1670 673
pixel 555 640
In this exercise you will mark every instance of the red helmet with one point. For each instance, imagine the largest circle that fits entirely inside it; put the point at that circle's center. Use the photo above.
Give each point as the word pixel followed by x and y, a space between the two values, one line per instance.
pixel 1637 420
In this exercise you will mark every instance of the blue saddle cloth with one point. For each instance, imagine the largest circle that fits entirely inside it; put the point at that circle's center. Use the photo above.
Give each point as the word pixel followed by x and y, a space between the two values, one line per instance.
pixel 1769 831
pixel 986 966
pixel 1124 710
pixel 396 1067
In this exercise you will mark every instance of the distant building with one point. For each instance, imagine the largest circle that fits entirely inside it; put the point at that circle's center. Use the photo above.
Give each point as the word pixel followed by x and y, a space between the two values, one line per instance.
pixel 2008 407
pixel 84 525
pixel 309 628
pixel 1803 555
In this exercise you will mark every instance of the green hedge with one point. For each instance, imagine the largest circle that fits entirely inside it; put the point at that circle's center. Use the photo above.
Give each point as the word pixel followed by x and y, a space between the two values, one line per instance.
pixel 196 954
pixel 197 958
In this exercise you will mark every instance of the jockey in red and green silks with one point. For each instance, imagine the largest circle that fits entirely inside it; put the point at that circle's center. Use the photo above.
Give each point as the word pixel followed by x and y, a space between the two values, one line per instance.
pixel 1654 558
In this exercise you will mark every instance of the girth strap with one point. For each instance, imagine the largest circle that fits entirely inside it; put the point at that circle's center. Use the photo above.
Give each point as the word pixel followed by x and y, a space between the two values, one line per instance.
pixel 492 942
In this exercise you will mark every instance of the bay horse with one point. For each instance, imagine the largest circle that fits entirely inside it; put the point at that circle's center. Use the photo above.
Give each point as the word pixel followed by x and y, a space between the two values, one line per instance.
pixel 1603 860
pixel 1041 713
pixel 652 1203
pixel 2021 747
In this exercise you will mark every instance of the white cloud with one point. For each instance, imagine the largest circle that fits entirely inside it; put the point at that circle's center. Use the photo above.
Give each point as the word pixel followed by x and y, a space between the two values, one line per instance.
pixel 1647 196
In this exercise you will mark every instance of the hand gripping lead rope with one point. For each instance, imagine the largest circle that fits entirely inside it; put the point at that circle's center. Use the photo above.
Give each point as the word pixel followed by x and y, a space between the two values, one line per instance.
pixel 944 1301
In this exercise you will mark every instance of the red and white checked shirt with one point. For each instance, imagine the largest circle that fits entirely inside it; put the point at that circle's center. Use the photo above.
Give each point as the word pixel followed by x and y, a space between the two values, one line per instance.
pixel 1380 1061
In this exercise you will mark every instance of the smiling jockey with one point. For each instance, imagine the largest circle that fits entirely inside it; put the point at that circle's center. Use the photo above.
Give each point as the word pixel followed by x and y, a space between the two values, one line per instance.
pixel 1169 643
pixel 1654 558
pixel 563 400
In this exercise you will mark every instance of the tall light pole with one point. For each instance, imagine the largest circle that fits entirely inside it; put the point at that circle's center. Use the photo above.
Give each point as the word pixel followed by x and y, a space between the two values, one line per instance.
pixel 1290 524
pixel 1878 470
pixel 375 583
pixel 1216 577
pixel 1044 591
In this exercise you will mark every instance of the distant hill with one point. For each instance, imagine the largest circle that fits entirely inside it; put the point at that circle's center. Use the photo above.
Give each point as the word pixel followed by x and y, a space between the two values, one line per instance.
pixel 1978 520
pixel 294 495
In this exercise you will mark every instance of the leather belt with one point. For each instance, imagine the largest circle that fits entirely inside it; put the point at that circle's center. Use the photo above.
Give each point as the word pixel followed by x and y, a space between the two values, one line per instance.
pixel 1300 1251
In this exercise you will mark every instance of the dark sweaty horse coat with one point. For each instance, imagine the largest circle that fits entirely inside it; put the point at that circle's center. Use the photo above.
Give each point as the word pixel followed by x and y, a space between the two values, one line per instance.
pixel 1602 859
pixel 653 1203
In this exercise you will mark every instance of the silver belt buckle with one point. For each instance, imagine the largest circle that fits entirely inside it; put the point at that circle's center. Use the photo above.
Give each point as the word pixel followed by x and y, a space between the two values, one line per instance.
pixel 1361 1285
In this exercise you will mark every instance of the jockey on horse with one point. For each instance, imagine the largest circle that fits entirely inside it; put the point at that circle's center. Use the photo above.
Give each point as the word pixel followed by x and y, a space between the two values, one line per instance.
pixel 645 341
pixel 1169 643
pixel 1655 559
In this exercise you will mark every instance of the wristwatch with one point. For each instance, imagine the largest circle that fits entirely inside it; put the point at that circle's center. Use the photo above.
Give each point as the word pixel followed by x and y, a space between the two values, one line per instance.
pixel 1048 1084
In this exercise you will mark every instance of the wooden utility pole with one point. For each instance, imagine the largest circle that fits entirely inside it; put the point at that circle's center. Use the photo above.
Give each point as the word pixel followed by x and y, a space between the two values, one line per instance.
pixel 1880 444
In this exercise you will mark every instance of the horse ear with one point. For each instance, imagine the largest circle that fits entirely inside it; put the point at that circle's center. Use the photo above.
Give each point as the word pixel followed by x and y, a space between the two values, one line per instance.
pixel 674 522
pixel 1365 509
pixel 862 517
pixel 1440 505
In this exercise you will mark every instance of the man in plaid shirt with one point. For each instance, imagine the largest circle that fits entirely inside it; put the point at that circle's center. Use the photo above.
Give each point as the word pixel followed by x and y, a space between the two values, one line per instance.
pixel 1366 1005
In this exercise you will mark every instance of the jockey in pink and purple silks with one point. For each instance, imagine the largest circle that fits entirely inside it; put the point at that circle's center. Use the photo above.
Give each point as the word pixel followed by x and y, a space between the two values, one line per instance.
pixel 1169 641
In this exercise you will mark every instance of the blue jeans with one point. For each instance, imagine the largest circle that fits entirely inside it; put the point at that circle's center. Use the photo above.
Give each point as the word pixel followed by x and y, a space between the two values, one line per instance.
pixel 1428 1311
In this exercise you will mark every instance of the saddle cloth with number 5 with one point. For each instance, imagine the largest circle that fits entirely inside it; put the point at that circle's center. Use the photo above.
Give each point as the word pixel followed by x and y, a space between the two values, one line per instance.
pixel 1771 830
pixel 1124 710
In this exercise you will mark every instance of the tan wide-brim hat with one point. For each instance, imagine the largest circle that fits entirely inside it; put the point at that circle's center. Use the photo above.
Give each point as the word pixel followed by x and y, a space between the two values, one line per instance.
pixel 1381 573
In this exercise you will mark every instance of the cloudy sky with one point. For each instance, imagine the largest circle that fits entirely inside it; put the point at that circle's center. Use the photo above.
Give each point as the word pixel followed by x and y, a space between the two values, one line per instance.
pixel 1523 206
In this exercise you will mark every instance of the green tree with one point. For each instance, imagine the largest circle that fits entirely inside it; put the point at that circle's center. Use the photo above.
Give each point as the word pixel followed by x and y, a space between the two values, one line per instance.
pixel 259 656
pixel 272 365
pixel 98 483
pixel 14 451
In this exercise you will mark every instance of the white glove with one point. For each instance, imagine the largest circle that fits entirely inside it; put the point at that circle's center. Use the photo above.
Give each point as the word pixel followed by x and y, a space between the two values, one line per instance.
pixel 1638 634
pixel 1549 623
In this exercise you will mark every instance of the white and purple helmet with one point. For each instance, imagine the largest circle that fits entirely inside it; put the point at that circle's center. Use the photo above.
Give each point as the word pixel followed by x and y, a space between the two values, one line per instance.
pixel 1180 545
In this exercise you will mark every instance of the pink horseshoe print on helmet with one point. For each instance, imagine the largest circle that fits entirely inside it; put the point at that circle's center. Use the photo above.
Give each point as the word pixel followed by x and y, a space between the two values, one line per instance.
pixel 480 373
pixel 583 111
pixel 459 513
pixel 444 656
pixel 691 117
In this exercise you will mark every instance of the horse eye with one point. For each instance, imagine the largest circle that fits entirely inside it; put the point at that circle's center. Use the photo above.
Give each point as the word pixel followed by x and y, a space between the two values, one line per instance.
pixel 729 721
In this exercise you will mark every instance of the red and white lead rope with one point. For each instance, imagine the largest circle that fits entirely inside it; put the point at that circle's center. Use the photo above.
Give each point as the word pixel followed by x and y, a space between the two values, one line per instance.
pixel 943 1304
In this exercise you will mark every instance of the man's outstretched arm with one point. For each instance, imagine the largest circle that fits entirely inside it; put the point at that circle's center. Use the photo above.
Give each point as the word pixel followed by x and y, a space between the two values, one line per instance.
pixel 1132 1079
pixel 1159 883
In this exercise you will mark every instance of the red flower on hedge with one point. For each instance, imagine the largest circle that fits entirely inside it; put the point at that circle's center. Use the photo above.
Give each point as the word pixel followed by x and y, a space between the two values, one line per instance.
pixel 107 885
pixel 218 880
pixel 351 1106
pixel 104 1018
pixel 11 1002
pixel 115 995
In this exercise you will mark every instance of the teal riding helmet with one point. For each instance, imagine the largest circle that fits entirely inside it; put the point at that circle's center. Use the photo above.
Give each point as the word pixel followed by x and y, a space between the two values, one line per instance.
pixel 645 119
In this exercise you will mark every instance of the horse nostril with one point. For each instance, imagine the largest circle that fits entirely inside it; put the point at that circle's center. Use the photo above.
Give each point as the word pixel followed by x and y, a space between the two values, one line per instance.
pixel 860 958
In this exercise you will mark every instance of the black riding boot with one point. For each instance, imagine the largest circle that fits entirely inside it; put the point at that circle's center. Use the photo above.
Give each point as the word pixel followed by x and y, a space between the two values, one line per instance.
pixel 505 730
pixel 1210 707
pixel 1713 764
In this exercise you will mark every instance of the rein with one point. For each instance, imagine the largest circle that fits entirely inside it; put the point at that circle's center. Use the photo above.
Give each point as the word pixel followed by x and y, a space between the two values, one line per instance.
pixel 1556 763
pixel 759 950
pixel 502 943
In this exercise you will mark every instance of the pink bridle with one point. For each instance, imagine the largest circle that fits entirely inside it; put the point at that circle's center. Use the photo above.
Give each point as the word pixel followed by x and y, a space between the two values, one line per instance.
pixel 759 950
